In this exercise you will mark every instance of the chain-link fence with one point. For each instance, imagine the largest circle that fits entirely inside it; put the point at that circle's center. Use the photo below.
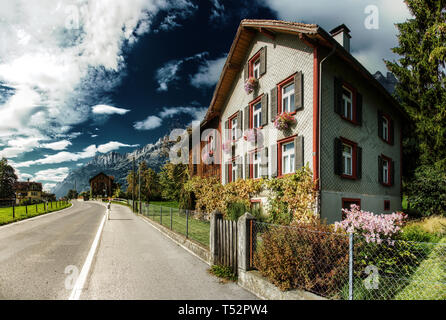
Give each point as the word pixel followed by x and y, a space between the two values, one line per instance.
pixel 192 224
pixel 340 266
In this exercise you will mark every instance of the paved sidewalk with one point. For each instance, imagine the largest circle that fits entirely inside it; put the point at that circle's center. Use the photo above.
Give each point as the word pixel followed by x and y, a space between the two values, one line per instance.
pixel 136 261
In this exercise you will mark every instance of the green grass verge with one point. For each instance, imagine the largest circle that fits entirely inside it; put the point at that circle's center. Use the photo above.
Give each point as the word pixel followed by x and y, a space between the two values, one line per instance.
pixel 26 212
pixel 198 229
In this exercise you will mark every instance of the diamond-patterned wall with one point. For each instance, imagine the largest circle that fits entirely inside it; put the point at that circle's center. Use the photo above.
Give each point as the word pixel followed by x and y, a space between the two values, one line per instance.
pixel 285 56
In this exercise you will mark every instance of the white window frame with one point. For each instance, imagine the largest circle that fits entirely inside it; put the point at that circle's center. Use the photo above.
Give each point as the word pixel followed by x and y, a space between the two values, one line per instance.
pixel 257 115
pixel 385 128
pixel 347 157
pixel 286 97
pixel 234 126
pixel 385 173
pixel 256 164
pixel 211 143
pixel 288 158
pixel 345 101
pixel 256 69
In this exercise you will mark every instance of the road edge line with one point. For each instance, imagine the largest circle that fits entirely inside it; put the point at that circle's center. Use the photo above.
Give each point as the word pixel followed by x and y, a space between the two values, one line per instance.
pixel 80 281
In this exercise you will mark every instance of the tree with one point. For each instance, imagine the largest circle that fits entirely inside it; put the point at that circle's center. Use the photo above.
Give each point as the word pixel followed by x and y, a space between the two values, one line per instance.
pixel 8 179
pixel 172 178
pixel 150 185
pixel 72 194
pixel 421 86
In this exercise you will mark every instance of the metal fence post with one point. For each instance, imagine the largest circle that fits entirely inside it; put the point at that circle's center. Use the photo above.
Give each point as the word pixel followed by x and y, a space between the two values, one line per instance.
pixel 26 210
pixel 171 219
pixel 187 223
pixel 350 266
pixel 161 215
pixel 13 211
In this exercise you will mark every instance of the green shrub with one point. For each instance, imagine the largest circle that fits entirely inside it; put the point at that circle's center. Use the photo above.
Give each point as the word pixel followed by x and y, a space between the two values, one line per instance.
pixel 414 232
pixel 223 272
pixel 236 210
pixel 308 257
pixel 427 190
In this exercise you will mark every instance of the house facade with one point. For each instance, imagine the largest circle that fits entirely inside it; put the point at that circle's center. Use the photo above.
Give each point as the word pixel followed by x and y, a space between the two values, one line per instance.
pixel 347 127
pixel 28 191
pixel 102 185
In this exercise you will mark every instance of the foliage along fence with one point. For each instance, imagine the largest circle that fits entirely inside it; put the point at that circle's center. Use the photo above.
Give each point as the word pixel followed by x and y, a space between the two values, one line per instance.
pixel 15 213
pixel 341 266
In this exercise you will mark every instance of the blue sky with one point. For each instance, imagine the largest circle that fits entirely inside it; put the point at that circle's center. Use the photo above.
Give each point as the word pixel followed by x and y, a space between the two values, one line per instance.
pixel 80 78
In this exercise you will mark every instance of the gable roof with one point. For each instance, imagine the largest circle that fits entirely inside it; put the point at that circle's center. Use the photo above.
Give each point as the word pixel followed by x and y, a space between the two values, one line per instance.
pixel 27 186
pixel 103 174
pixel 240 46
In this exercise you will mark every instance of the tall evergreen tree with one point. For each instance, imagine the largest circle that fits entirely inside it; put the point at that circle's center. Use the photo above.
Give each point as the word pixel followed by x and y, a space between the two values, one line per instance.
pixel 421 85
pixel 8 178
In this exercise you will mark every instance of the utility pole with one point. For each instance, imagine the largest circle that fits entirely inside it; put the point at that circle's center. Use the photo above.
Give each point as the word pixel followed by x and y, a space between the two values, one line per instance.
pixel 139 188
pixel 133 185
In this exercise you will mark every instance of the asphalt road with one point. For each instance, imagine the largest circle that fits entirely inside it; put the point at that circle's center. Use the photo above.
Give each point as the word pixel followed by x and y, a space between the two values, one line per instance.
pixel 133 260
pixel 136 261
pixel 35 253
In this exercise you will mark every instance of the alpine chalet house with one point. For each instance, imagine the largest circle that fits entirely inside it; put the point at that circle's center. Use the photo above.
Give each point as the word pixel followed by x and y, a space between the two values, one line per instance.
pixel 340 121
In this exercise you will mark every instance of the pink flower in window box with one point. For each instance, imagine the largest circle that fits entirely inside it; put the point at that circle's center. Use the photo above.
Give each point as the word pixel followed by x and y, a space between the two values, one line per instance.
pixel 254 136
pixel 227 146
pixel 251 84
pixel 284 121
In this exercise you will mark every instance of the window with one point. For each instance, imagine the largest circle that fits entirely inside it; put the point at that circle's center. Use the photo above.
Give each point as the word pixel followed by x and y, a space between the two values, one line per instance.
pixel 288 97
pixel 256 69
pixel 234 125
pixel 386 205
pixel 211 143
pixel 287 158
pixel 385 165
pixel 257 115
pixel 347 103
pixel 385 131
pixel 347 159
pixel 256 165
pixel 347 203
pixel 385 171
pixel 234 170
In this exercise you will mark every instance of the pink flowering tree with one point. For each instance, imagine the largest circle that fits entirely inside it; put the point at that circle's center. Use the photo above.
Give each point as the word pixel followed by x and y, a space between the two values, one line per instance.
pixel 375 228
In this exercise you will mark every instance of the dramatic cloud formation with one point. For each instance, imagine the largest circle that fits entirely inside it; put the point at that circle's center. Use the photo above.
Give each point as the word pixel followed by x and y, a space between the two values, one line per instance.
pixel 55 57
pixel 108 110
pixel 169 72
pixel 369 46
pixel 65 156
pixel 208 73
pixel 54 175
pixel 58 146
pixel 153 122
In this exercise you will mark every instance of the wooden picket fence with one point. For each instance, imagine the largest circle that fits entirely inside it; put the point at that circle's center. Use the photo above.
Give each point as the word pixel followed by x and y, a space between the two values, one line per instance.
pixel 227 243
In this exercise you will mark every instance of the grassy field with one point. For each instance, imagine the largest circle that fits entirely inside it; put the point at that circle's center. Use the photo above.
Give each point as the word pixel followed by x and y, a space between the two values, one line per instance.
pixel 25 212
pixel 159 211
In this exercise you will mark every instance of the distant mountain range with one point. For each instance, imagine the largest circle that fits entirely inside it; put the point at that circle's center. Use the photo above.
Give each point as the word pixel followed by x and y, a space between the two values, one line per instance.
pixel 114 164
pixel 389 81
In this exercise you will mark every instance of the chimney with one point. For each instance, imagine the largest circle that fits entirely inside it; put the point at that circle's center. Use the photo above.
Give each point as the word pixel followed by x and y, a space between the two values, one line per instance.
pixel 342 35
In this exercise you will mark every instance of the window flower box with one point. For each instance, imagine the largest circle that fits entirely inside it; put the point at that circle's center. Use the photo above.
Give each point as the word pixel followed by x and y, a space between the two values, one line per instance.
pixel 254 136
pixel 251 84
pixel 284 121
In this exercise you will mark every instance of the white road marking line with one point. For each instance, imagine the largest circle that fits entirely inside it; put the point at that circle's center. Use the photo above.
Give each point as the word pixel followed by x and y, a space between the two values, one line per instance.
pixel 78 287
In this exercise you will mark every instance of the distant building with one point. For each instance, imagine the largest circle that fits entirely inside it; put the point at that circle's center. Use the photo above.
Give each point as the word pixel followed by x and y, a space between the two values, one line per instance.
pixel 102 185
pixel 28 191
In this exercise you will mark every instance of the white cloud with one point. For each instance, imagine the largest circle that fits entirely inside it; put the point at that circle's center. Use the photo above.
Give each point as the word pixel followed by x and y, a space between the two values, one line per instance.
pixel 369 46
pixel 19 145
pixel 108 110
pixel 47 187
pixel 53 56
pixel 94 135
pixel 65 156
pixel 169 72
pixel 53 175
pixel 152 122
pixel 208 73
pixel 113 145
pixel 58 146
